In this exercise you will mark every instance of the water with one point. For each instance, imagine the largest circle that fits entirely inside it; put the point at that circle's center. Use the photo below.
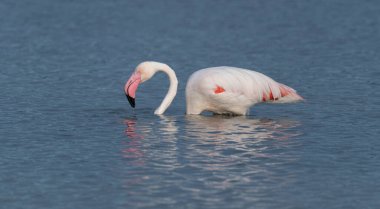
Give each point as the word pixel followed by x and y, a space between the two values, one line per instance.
pixel 70 140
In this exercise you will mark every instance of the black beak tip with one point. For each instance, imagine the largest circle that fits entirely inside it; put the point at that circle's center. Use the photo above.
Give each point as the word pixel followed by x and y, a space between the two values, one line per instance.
pixel 131 100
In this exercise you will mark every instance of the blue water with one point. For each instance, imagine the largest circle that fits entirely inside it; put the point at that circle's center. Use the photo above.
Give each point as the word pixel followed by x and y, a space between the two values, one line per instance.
pixel 69 138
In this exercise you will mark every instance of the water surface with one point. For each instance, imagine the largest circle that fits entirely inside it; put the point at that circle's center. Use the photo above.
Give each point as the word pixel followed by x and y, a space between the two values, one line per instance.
pixel 70 140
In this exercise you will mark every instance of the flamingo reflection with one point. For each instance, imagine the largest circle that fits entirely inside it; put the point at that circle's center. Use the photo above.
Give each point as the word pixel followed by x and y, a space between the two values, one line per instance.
pixel 215 147
pixel 237 139
pixel 133 150
pixel 239 128
pixel 165 129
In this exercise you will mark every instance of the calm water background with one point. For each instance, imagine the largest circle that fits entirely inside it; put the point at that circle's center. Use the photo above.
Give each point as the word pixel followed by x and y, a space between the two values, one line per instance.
pixel 70 140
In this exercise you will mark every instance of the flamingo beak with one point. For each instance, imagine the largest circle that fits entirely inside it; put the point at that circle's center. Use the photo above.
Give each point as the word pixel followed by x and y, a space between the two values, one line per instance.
pixel 131 100
pixel 130 88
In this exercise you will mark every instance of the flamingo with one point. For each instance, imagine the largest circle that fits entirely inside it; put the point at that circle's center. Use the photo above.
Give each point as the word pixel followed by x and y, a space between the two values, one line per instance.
pixel 221 90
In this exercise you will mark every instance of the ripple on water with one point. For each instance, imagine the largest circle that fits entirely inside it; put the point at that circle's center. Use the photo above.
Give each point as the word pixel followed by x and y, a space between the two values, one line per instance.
pixel 207 156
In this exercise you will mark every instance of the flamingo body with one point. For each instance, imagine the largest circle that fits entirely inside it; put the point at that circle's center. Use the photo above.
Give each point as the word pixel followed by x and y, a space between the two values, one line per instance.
pixel 231 90
pixel 221 90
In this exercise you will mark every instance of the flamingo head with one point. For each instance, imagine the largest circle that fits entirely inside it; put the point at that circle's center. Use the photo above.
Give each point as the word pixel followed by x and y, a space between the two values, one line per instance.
pixel 142 73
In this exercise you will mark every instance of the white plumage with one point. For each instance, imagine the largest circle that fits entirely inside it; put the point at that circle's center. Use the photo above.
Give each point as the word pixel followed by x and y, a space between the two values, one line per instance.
pixel 242 89
pixel 222 90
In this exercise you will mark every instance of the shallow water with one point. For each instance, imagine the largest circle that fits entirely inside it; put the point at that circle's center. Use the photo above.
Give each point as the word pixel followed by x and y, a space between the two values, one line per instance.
pixel 70 140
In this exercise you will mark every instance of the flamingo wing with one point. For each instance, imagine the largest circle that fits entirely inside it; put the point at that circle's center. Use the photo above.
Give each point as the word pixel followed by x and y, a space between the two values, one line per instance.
pixel 230 89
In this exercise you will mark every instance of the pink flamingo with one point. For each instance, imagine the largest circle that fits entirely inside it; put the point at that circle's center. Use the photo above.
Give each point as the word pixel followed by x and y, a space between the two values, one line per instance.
pixel 221 90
